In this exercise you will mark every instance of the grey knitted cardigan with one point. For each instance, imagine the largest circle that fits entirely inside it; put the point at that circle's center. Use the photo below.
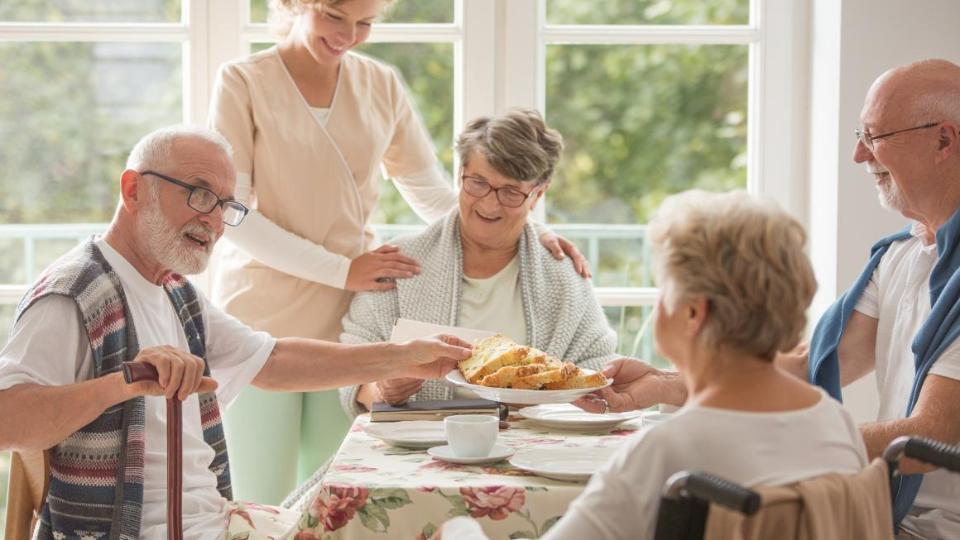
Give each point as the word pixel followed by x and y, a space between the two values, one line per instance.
pixel 562 314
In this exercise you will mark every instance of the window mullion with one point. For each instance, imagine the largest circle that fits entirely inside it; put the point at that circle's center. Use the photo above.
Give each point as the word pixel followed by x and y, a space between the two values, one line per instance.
pixel 476 66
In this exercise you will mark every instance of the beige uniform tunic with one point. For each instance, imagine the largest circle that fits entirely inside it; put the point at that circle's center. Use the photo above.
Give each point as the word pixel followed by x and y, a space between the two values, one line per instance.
pixel 319 182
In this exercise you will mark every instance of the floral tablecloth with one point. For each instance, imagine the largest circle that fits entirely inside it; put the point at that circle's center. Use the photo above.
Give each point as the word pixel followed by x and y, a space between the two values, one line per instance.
pixel 373 490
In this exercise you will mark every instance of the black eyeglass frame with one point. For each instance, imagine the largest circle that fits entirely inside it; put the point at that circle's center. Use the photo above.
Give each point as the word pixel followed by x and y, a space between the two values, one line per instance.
pixel 193 189
pixel 867 139
pixel 496 190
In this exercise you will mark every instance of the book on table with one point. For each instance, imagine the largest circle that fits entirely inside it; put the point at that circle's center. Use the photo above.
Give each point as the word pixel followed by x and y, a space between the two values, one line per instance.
pixel 435 409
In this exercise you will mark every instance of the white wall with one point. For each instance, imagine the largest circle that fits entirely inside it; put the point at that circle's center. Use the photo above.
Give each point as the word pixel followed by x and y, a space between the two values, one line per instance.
pixel 852 42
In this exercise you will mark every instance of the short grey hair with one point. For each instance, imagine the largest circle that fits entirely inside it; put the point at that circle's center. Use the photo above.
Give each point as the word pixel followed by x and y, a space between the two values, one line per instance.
pixel 518 144
pixel 941 106
pixel 745 255
pixel 155 149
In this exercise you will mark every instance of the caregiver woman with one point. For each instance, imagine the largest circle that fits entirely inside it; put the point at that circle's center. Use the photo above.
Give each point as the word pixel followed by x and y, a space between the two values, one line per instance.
pixel 311 123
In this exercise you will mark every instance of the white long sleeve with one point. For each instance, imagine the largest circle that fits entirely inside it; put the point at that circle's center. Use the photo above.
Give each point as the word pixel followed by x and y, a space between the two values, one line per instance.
pixel 282 250
pixel 429 192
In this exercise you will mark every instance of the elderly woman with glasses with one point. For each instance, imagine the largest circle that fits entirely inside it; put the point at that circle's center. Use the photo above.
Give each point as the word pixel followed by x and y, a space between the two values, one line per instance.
pixel 483 266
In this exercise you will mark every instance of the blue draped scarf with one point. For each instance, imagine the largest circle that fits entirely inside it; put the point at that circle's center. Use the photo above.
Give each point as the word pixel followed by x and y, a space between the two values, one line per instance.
pixel 938 331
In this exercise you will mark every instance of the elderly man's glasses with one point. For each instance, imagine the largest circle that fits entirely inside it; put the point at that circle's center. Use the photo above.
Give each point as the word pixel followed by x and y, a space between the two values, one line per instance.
pixel 204 201
pixel 867 139
pixel 508 196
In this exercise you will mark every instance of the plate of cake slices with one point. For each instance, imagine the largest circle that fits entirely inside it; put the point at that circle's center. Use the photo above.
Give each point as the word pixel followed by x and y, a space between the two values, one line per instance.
pixel 505 371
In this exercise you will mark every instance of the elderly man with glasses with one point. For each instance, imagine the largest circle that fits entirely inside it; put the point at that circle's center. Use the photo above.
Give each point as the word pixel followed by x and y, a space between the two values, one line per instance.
pixel 483 267
pixel 900 318
pixel 122 298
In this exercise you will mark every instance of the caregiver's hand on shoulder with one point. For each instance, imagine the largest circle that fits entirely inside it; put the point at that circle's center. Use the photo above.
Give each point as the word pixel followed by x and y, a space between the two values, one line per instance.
pixel 379 269
pixel 432 358
pixel 559 247
pixel 636 385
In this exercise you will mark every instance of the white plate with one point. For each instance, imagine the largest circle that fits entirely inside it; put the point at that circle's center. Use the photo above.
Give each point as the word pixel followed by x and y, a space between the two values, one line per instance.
pixel 525 397
pixel 445 453
pixel 656 417
pixel 570 464
pixel 572 418
pixel 409 434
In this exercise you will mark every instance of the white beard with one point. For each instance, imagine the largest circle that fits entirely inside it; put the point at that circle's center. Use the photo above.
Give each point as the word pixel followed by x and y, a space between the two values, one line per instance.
pixel 889 195
pixel 166 245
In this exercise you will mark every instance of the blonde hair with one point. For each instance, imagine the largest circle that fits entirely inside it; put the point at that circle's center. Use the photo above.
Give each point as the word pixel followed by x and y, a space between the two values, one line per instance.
pixel 283 12
pixel 746 257
pixel 518 144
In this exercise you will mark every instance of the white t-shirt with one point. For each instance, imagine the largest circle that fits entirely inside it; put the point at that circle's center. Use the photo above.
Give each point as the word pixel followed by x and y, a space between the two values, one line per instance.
pixel 494 304
pixel 898 296
pixel 49 346
pixel 753 449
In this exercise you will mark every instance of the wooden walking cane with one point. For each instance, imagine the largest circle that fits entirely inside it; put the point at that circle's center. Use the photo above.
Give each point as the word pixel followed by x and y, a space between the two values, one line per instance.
pixel 139 371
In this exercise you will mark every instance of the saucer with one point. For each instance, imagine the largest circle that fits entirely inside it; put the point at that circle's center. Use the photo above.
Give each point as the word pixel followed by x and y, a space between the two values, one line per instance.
pixel 409 434
pixel 445 453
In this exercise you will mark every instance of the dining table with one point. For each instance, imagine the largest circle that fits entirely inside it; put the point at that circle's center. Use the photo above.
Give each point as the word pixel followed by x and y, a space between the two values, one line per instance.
pixel 374 490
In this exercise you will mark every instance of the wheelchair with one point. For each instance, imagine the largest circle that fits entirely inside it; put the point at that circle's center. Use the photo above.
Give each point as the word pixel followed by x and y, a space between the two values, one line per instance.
pixel 687 495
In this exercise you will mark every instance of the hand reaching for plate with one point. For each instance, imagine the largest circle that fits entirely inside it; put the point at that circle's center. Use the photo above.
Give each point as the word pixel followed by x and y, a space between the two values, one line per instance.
pixel 636 385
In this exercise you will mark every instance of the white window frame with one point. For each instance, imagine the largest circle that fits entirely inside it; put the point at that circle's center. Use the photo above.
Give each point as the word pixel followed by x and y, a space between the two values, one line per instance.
pixel 215 31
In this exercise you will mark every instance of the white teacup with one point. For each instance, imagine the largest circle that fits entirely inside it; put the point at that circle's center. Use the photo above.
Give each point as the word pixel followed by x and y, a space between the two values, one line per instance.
pixel 471 435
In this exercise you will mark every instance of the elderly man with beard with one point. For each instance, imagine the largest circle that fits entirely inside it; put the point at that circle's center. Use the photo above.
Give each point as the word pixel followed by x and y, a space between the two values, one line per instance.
pixel 122 298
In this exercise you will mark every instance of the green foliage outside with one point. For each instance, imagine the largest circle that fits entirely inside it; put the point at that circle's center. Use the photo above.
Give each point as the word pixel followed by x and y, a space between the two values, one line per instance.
pixel 648 12
pixel 676 120
pixel 54 11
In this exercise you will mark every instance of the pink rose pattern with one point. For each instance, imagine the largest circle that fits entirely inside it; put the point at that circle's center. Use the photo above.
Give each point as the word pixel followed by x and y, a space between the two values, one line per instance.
pixel 437 465
pixel 336 505
pixel 497 502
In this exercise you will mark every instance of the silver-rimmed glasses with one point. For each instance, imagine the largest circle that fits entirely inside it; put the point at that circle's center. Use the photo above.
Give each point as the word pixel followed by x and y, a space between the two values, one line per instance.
pixel 867 139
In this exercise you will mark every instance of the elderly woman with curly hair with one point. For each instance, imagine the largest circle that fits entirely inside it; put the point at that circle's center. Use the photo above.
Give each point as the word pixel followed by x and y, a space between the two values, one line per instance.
pixel 483 267
pixel 734 288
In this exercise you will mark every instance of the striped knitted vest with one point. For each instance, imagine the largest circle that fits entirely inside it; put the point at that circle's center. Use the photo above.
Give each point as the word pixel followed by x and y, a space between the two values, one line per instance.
pixel 96 474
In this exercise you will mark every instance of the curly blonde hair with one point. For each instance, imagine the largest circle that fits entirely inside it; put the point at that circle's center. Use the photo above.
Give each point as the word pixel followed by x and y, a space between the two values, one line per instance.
pixel 743 254
pixel 283 12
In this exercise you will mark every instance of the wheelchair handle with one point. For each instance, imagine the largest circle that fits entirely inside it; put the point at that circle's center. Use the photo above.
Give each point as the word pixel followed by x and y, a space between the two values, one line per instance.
pixel 713 489
pixel 936 453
